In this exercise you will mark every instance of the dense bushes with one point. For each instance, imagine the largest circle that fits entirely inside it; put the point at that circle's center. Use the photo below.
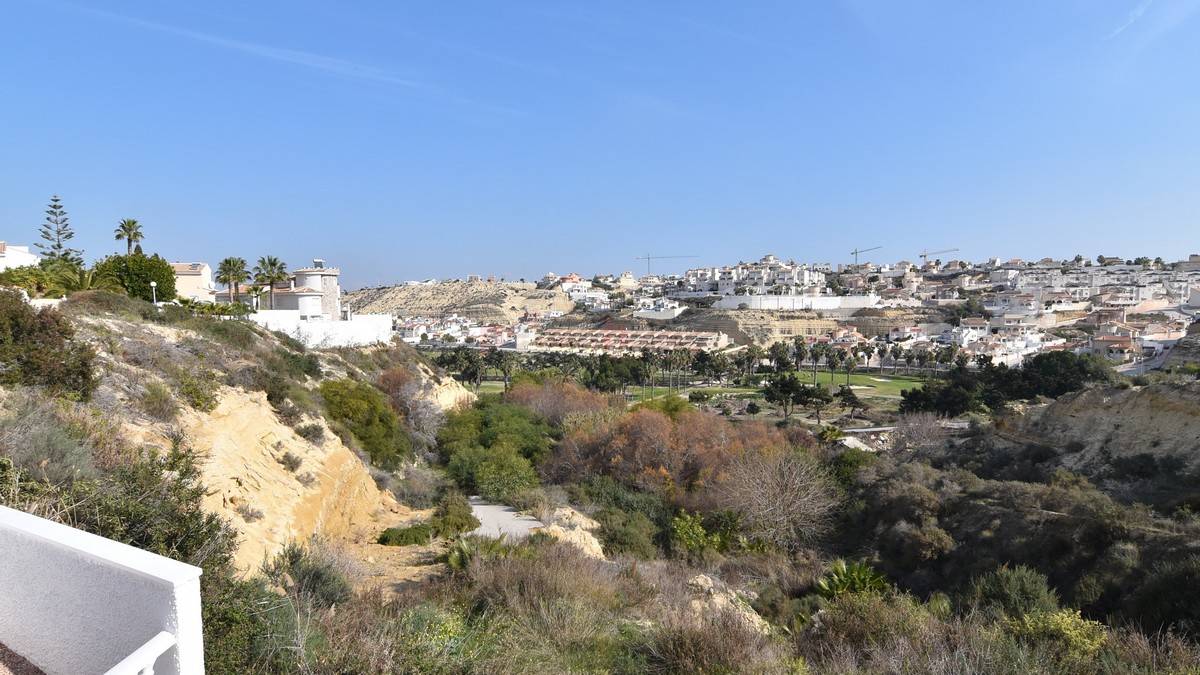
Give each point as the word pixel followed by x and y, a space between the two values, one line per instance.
pixel 413 535
pixel 38 347
pixel 992 387
pixel 1012 593
pixel 309 572
pixel 366 414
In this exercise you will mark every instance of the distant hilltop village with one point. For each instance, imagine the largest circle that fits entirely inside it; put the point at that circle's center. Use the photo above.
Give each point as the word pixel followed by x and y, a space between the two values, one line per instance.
pixel 1131 311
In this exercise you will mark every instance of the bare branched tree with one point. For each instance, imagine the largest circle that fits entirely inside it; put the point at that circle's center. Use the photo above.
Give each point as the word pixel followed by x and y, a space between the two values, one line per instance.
pixel 917 431
pixel 786 498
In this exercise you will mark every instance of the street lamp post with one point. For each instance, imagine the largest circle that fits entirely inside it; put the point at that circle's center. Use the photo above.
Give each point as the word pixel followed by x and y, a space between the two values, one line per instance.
pixel 154 292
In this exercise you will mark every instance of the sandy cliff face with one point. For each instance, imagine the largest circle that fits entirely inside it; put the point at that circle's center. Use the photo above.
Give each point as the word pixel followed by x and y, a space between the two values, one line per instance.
pixel 242 445
pixel 444 392
pixel 483 301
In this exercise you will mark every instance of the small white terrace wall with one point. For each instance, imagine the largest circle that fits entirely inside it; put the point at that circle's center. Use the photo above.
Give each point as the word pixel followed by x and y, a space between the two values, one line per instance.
pixel 72 602
pixel 359 331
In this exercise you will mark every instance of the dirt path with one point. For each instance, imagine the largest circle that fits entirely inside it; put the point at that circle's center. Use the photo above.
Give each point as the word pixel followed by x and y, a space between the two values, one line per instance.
pixel 497 520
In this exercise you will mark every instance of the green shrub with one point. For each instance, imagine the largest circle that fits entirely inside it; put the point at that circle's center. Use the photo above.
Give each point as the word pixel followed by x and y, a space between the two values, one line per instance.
pixel 135 272
pixel 453 516
pixel 1012 592
pixel 1065 630
pixel 713 644
pixel 1170 597
pixel 464 464
pixel 688 536
pixel 860 621
pixel 465 550
pixel 36 438
pixel 503 475
pixel 492 423
pixel 308 573
pixel 851 578
pixel 313 433
pixel 607 492
pixel 240 335
pixel 365 411
pixel 198 389
pixel 849 462
pixel 289 341
pixel 295 365
pixel 413 535
pixel 672 406
pixel 419 487
pixel 38 347
pixel 158 402
pixel 628 533
pixel 290 461
pixel 93 303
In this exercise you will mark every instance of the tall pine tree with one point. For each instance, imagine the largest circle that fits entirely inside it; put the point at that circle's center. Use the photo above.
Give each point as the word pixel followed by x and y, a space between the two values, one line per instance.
pixel 56 231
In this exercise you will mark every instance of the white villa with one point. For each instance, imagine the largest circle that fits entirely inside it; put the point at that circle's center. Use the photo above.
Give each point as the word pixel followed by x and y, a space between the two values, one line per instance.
pixel 308 307
pixel 16 256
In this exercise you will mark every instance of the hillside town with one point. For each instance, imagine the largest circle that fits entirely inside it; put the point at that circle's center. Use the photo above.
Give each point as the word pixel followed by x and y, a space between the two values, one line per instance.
pixel 1130 311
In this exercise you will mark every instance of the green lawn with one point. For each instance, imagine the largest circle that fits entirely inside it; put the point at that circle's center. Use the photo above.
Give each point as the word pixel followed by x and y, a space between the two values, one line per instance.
pixel 491 387
pixel 868 384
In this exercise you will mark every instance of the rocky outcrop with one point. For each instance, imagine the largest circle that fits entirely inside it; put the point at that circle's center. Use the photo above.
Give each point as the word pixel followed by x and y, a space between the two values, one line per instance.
pixel 444 392
pixel 712 597
pixel 1138 443
pixel 1187 350
pixel 572 527
pixel 581 539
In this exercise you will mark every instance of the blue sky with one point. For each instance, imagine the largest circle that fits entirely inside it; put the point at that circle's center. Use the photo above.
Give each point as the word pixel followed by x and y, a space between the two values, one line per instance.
pixel 406 140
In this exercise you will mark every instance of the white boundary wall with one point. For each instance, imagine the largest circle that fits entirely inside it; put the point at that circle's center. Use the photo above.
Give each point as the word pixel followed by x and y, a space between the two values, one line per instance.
pixel 359 331
pixel 810 302
pixel 73 602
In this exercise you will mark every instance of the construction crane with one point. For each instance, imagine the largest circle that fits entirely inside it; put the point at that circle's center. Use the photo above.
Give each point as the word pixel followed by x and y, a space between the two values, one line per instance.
pixel 926 253
pixel 649 257
pixel 856 251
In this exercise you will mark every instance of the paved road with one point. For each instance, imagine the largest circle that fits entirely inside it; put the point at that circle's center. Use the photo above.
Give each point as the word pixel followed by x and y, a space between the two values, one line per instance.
pixel 867 430
pixel 497 519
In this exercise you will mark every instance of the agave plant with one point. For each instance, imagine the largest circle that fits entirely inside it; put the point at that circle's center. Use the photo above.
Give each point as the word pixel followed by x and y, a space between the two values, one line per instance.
pixel 854 577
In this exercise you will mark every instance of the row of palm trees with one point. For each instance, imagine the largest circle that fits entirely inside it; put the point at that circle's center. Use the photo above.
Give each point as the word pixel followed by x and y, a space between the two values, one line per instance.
pixel 233 271
pixel 268 271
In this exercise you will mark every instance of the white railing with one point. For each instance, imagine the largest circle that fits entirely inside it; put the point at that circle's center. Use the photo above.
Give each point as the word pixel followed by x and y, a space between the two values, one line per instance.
pixel 141 661
pixel 73 602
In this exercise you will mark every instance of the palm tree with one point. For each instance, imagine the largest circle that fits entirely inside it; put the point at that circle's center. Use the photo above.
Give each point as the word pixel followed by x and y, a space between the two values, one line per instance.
pixel 850 364
pixel 129 231
pixel 800 352
pixel 814 355
pixel 232 272
pixel 268 272
pixel 897 355
pixel 67 279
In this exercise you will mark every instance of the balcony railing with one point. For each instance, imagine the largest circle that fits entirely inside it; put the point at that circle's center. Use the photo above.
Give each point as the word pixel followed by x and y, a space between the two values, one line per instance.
pixel 73 602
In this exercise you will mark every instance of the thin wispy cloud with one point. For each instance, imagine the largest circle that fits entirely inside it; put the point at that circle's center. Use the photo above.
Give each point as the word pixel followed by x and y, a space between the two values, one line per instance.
pixel 322 63
pixel 1134 16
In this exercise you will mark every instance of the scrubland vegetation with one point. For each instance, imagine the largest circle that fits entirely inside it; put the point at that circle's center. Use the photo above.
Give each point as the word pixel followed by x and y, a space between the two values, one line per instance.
pixel 943 555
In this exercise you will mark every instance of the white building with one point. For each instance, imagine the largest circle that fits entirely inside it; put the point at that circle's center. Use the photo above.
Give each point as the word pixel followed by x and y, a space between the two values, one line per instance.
pixel 194 281
pixel 16 256
pixel 308 307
